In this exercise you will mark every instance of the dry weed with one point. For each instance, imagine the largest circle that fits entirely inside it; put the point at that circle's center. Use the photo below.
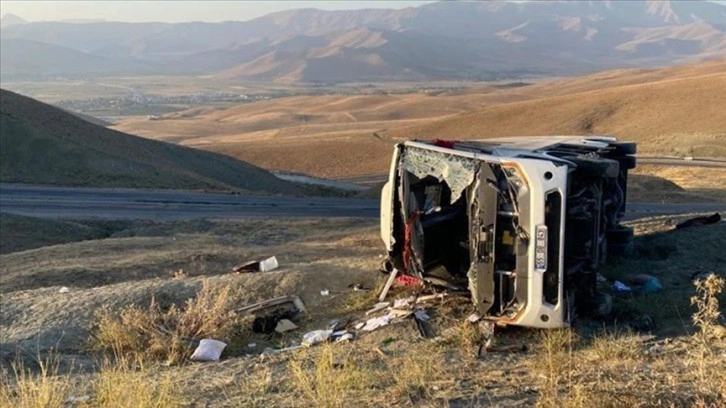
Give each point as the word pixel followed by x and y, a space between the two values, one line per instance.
pixel 415 375
pixel 708 312
pixel 615 345
pixel 128 384
pixel 704 358
pixel 555 366
pixel 24 389
pixel 178 274
pixel 330 378
pixel 169 334
pixel 255 388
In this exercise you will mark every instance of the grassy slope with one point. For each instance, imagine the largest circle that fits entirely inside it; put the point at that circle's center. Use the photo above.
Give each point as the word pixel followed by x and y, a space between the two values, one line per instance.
pixel 40 144
pixel 20 233
pixel 584 370
pixel 673 110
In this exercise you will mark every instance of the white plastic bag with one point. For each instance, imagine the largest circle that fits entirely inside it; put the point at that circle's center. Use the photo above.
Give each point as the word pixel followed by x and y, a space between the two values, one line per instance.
pixel 316 336
pixel 208 350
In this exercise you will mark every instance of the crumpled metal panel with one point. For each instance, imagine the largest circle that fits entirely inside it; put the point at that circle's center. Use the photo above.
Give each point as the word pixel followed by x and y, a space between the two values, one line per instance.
pixel 457 171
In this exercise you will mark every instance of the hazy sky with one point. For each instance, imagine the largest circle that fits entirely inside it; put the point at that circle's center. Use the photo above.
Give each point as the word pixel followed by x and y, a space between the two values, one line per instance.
pixel 176 11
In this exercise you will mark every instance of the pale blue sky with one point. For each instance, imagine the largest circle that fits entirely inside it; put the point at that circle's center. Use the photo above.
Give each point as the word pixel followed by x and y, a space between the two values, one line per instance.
pixel 176 11
pixel 179 11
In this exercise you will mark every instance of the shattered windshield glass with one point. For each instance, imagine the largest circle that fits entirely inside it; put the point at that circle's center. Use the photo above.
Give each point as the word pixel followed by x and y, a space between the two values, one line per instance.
pixel 457 171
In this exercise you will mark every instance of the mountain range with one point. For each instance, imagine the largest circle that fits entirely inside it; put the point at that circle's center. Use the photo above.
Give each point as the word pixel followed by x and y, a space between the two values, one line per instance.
pixel 443 40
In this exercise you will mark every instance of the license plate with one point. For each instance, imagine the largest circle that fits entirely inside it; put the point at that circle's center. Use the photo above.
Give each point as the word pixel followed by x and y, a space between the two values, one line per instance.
pixel 540 248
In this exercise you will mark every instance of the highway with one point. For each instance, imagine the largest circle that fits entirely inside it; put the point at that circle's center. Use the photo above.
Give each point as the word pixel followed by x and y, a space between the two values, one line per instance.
pixel 83 203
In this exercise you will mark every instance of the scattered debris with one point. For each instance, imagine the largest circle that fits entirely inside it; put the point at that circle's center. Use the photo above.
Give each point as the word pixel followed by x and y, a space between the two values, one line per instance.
pixel 285 325
pixel 325 292
pixel 357 287
pixel 473 318
pixel 442 283
pixel 251 345
pixel 64 289
pixel 257 266
pixel 408 280
pixel 378 307
pixel 421 315
pixel 270 312
pixel 208 350
pixel 699 221
pixel 294 300
pixel 345 337
pixel 376 322
pixel 267 323
pixel 316 336
pixel 620 287
pixel 270 350
pixel 487 343
pixel 389 283
pixel 401 303
pixel 337 325
pixel 426 298
pixel 648 284
pixel 420 318
pixel 655 350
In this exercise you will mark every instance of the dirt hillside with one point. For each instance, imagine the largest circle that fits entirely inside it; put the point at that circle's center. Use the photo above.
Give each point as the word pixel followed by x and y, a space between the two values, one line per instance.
pixel 40 144
pixel 674 110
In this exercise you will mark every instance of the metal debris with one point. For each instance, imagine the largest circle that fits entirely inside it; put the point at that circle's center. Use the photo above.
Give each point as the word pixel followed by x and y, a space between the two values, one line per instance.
pixel 265 265
pixel 378 307
pixel 285 325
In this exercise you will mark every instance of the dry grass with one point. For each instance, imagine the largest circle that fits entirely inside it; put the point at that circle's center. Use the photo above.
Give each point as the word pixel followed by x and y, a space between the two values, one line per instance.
pixel 594 366
pixel 121 384
pixel 554 366
pixel 168 334
pixel 330 378
pixel 703 358
pixel 668 111
pixel 616 345
pixel 24 389
pixel 129 384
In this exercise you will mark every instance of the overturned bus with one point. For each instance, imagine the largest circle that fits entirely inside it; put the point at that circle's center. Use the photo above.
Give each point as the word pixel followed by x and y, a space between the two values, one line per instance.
pixel 524 222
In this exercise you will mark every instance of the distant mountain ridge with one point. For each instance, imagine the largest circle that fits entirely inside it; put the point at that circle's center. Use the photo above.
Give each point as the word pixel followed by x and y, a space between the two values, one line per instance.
pixel 443 40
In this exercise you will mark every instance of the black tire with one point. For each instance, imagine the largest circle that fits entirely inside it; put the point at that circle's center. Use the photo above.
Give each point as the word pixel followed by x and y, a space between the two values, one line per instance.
pixel 625 249
pixel 625 148
pixel 620 235
pixel 596 166
pixel 627 162
pixel 621 241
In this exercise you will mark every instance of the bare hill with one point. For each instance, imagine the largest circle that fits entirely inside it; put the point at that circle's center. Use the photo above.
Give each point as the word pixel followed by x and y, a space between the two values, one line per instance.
pixel 672 110
pixel 680 115
pixel 40 144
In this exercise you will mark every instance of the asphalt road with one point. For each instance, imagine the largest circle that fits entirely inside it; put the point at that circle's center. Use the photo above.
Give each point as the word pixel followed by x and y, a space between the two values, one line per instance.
pixel 80 203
